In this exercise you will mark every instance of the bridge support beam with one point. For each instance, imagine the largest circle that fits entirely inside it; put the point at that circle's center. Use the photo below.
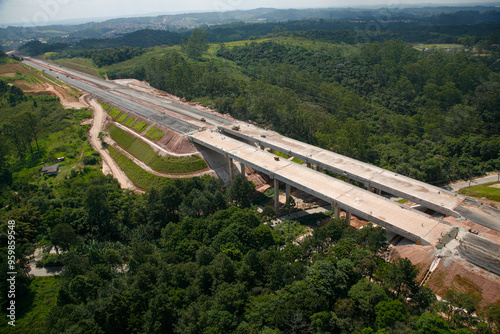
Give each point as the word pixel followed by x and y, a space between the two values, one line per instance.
pixel 276 195
pixel 379 192
pixel 309 165
pixel 287 191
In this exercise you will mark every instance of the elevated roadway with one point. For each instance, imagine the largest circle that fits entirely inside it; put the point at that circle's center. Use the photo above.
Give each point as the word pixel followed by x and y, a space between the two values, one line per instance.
pixel 409 223
pixel 432 197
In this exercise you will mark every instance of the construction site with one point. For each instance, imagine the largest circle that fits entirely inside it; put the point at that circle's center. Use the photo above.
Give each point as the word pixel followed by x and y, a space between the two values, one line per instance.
pixel 454 240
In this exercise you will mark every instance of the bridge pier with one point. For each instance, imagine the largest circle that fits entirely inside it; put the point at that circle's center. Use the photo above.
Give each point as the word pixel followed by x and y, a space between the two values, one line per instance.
pixel 276 195
pixel 287 191
pixel 242 169
pixel 347 217
pixel 336 210
pixel 231 169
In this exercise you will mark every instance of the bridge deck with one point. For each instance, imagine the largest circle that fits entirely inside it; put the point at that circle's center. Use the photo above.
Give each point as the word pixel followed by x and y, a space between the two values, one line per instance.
pixel 419 192
pixel 411 224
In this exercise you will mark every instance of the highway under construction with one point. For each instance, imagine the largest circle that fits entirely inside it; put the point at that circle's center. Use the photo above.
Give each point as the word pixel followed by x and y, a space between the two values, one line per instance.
pixel 246 144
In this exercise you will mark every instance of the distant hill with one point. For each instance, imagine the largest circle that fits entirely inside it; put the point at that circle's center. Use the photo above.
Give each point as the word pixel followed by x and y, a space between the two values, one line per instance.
pixel 140 38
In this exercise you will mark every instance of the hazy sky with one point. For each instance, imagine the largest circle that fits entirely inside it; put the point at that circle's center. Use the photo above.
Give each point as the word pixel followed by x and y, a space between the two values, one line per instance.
pixel 41 12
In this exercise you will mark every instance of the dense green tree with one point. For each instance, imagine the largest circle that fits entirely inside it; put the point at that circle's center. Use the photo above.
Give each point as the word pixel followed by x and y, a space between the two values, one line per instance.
pixel 430 323
pixel 390 312
pixel 64 236
pixel 367 295
pixel 196 45
pixel 240 192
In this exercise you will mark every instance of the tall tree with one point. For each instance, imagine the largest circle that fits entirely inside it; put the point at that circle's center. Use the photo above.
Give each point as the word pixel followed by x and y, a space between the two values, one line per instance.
pixel 240 192
pixel 196 45
pixel 32 125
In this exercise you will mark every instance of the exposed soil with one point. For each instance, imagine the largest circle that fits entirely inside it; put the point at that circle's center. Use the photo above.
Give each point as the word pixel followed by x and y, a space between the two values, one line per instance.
pixel 176 143
pixel 97 125
pixel 459 275
pixel 467 264
pixel 421 256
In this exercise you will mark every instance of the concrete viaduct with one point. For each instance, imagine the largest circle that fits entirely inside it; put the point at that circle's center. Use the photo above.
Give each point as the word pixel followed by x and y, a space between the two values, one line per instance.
pixel 374 178
pixel 411 224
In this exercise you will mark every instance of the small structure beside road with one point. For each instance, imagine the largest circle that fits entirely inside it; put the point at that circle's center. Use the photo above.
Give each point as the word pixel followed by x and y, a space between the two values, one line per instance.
pixel 50 170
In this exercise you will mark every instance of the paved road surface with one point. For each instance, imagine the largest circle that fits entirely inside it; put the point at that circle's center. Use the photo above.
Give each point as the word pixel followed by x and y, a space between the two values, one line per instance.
pixel 493 177
pixel 107 92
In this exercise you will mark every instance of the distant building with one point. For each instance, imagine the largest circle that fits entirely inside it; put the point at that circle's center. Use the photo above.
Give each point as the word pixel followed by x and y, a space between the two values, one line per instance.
pixel 50 170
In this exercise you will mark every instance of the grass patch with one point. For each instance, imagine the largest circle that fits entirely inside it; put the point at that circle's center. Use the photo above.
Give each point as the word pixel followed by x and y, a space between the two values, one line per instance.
pixel 84 65
pixel 286 156
pixel 113 112
pixel 121 118
pixel 483 190
pixel 402 201
pixel 136 174
pixel 83 114
pixel 130 121
pixel 141 126
pixel 145 153
pixel 464 285
pixel 289 230
pixel 105 105
pixel 32 311
pixel 154 133
pixel 280 154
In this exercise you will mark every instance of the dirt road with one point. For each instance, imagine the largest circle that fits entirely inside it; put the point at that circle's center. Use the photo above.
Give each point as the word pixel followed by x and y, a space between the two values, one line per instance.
pixel 97 123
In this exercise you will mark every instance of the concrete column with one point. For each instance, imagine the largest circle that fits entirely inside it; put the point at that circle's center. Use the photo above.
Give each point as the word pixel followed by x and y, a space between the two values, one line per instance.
pixel 231 169
pixel 347 217
pixel 287 191
pixel 262 147
pixel 336 210
pixel 379 192
pixel 242 169
pixel 276 195
pixel 309 165
pixel 371 189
